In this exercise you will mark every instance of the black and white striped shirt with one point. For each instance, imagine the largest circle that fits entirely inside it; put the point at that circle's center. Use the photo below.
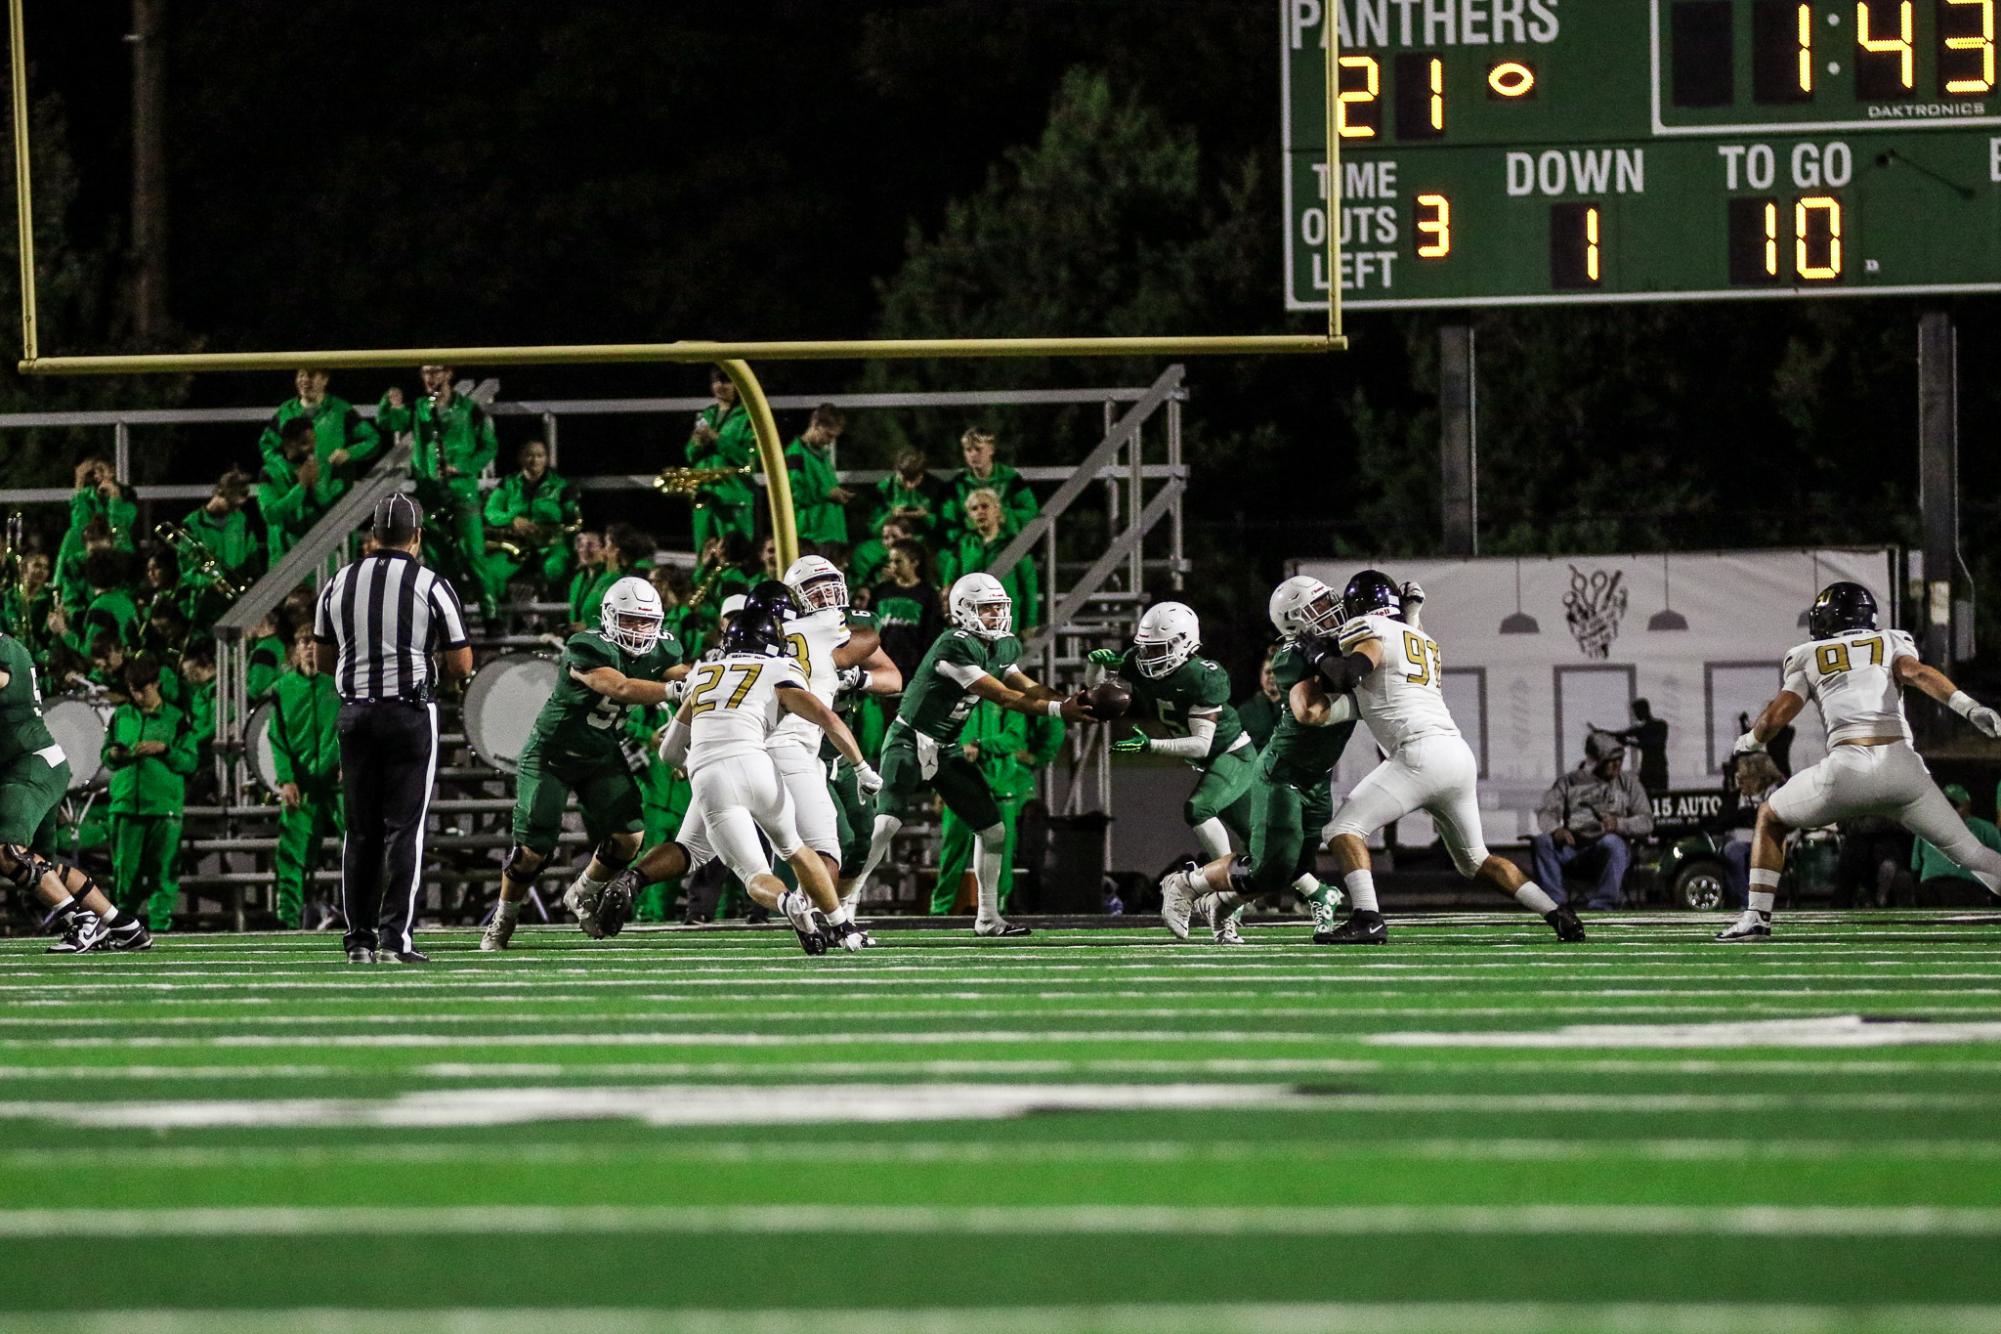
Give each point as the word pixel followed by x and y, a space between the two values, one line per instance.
pixel 387 614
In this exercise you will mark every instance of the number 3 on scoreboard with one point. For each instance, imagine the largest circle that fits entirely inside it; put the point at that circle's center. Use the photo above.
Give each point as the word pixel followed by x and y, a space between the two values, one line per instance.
pixel 1434 226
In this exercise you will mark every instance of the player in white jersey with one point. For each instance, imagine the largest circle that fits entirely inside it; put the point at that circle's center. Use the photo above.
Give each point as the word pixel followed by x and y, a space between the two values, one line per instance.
pixel 829 645
pixel 722 736
pixel 1391 673
pixel 1855 674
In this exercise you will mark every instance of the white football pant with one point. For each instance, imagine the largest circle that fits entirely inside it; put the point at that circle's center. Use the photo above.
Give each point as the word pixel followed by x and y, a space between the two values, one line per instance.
pixel 1890 781
pixel 1435 774
pixel 734 798
pixel 805 777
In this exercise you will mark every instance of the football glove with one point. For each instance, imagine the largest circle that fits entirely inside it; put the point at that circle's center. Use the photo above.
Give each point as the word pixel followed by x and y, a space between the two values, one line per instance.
pixel 849 680
pixel 1983 719
pixel 867 778
pixel 676 689
pixel 1748 744
pixel 1139 743
pixel 1103 657
pixel 1413 593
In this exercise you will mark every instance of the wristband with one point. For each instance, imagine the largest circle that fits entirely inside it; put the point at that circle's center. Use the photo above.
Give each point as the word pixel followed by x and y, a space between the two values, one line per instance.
pixel 861 680
pixel 1962 703
pixel 1053 707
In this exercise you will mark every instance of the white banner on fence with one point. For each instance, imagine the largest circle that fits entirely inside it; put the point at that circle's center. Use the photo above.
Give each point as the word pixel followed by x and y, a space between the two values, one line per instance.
pixel 1538 650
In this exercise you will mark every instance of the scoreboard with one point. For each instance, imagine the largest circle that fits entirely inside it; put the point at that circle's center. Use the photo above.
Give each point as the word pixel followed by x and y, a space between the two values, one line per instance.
pixel 1512 152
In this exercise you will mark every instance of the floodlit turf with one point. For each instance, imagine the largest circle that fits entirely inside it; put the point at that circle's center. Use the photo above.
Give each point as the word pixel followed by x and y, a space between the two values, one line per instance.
pixel 1474 1129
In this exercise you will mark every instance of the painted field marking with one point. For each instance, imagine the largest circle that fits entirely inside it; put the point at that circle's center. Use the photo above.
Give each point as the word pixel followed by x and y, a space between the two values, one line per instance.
pixel 1830 1031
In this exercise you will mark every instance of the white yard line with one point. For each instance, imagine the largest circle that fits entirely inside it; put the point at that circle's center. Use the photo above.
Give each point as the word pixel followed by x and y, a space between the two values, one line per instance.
pixel 1017 1220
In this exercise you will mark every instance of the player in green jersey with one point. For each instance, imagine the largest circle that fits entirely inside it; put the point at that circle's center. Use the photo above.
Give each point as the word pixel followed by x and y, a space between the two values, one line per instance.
pixel 34 775
pixel 979 658
pixel 1189 697
pixel 574 748
pixel 1291 796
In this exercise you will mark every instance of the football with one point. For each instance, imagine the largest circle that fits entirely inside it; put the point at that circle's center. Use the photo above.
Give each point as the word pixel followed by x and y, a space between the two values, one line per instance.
pixel 1108 700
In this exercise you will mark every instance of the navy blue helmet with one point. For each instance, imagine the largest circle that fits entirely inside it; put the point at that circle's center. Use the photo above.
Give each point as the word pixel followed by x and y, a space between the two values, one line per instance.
pixel 1372 593
pixel 1841 606
pixel 760 627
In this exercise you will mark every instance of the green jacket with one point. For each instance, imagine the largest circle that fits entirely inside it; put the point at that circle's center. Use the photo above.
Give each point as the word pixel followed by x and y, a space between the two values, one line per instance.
pixel 551 503
pixel 811 470
pixel 263 664
pixel 1002 735
pixel 459 435
pixel 148 784
pixel 1018 503
pixel 289 506
pixel 305 737
pixel 227 538
pixel 200 708
pixel 112 610
pixel 336 426
pixel 27 619
pixel 973 554
pixel 735 446
pixel 892 495
pixel 118 511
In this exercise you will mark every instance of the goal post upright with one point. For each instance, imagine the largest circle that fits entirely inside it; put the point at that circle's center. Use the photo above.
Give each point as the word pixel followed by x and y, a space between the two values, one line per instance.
pixel 24 201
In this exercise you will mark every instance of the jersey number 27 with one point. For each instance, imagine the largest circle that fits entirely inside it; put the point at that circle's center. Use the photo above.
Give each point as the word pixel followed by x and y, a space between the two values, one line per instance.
pixel 710 675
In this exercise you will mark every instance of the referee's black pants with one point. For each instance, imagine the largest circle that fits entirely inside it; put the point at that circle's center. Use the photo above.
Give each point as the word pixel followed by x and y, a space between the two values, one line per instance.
pixel 388 765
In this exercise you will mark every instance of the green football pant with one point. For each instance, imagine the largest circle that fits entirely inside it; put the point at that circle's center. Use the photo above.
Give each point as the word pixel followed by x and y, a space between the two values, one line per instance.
pixel 144 853
pixel 665 806
pixel 957 781
pixel 854 820
pixel 31 790
pixel 1284 824
pixel 955 854
pixel 605 790
pixel 300 834
pixel 1223 792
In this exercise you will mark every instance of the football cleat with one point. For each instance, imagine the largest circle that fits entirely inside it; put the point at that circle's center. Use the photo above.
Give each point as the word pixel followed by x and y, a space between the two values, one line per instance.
pixel 995 926
pixel 1361 928
pixel 615 904
pixel 401 956
pixel 499 932
pixel 1325 905
pixel 806 924
pixel 129 936
pixel 85 933
pixel 585 905
pixel 1177 900
pixel 1222 921
pixel 1753 925
pixel 845 934
pixel 1563 920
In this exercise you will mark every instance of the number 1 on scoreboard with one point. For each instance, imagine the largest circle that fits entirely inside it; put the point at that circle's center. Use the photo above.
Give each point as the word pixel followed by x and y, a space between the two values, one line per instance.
pixel 1577 246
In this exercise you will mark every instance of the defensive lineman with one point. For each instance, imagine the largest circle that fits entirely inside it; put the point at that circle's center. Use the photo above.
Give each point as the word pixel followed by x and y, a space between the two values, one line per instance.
pixel 34 775
pixel 1291 796
pixel 832 645
pixel 977 659
pixel 1855 674
pixel 723 735
pixel 626 661
pixel 1394 671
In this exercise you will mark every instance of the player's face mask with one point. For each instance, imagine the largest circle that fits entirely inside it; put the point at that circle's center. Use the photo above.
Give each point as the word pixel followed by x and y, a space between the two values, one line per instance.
pixel 824 595
pixel 1323 614
pixel 636 634
pixel 995 616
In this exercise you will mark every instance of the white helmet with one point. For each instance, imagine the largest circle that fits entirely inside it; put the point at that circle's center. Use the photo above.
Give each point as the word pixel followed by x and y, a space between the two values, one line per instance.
pixel 974 594
pixel 630 616
pixel 829 587
pixel 1167 637
pixel 1302 605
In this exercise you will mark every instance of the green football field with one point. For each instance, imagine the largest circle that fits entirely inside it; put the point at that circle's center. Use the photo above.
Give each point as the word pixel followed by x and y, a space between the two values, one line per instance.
pixel 1471 1130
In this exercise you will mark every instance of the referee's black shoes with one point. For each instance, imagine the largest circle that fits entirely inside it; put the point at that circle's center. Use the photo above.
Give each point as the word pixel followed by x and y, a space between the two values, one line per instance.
pixel 401 956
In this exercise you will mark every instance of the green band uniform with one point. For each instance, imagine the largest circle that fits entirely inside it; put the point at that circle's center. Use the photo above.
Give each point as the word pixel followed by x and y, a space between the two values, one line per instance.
pixel 148 794
pixel 724 506
pixel 305 749
pixel 1003 736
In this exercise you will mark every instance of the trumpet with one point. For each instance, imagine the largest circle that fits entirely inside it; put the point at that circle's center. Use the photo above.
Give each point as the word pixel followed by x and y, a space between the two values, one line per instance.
pixel 16 559
pixel 193 551
pixel 684 482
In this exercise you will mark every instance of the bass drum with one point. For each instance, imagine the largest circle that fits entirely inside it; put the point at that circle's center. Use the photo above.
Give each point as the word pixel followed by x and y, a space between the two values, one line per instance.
pixel 501 705
pixel 79 726
pixel 257 746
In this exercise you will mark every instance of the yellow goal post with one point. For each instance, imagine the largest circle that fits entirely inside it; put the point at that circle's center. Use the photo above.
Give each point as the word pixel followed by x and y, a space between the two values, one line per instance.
pixel 733 357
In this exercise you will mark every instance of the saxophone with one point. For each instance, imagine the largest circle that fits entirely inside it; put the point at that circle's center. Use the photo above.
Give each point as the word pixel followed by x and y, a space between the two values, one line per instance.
pixel 685 482
pixel 700 592
pixel 192 550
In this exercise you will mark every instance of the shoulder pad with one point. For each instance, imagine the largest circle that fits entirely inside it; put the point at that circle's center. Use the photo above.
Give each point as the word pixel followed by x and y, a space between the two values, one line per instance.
pixel 1356 631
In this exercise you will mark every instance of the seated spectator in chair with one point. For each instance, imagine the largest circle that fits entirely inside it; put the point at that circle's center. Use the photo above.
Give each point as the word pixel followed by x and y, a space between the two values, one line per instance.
pixel 528 521
pixel 1755 779
pixel 1942 882
pixel 911 496
pixel 982 473
pixel 1589 818
pixel 819 499
pixel 981 545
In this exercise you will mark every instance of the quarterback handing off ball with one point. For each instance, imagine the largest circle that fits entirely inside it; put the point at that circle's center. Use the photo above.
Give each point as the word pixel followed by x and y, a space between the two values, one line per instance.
pixel 1108 700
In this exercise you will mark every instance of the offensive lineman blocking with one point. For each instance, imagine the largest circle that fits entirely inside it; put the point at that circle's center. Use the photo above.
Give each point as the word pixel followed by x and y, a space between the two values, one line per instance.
pixel 1855 674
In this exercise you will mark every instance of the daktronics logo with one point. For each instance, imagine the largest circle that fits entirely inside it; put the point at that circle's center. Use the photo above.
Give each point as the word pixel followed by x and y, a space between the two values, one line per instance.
pixel 1929 111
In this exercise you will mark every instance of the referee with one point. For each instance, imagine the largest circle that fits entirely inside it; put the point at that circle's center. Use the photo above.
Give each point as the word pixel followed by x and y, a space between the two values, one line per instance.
pixel 379 621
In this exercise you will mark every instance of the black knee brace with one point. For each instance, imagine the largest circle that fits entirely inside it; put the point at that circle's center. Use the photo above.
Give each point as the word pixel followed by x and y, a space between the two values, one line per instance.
pixel 1242 871
pixel 510 866
pixel 606 858
pixel 20 867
